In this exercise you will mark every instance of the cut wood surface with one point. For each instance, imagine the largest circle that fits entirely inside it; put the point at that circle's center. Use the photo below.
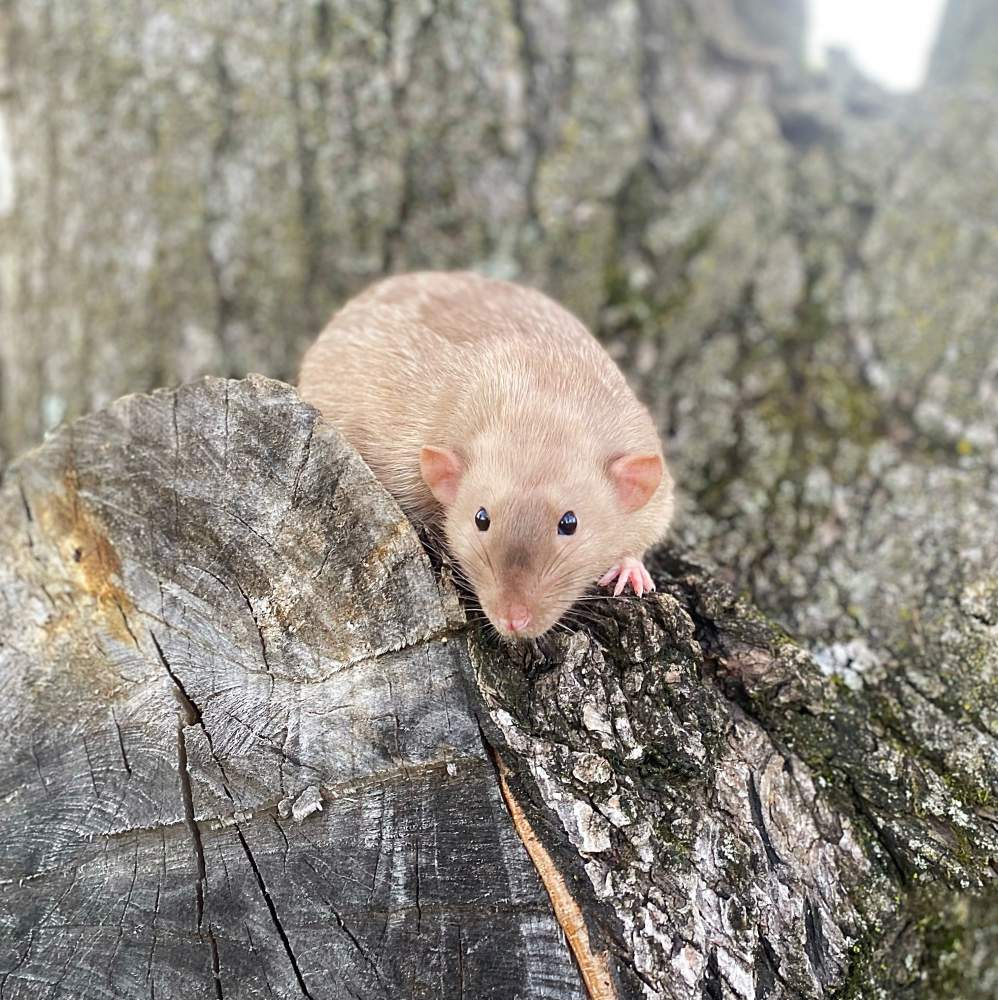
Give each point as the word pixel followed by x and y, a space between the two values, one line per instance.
pixel 214 619
pixel 252 748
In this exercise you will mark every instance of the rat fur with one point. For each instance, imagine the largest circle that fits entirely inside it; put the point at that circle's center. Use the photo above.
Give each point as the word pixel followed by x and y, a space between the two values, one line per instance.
pixel 464 394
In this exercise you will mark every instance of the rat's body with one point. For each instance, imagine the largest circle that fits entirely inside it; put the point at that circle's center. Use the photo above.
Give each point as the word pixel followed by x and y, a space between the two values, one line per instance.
pixel 468 396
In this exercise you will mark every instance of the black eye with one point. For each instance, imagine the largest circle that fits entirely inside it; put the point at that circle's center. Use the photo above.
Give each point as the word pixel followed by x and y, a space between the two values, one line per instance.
pixel 568 523
pixel 483 520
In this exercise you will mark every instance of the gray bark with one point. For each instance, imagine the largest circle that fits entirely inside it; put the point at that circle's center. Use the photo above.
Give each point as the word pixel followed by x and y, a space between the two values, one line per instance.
pixel 215 622
pixel 194 187
pixel 965 48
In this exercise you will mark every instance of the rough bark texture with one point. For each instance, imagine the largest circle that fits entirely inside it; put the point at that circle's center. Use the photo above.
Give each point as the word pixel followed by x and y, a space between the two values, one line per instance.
pixel 193 187
pixel 797 272
pixel 250 748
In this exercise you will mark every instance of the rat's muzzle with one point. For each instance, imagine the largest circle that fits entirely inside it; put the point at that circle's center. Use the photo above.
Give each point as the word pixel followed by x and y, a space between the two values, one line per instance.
pixel 513 619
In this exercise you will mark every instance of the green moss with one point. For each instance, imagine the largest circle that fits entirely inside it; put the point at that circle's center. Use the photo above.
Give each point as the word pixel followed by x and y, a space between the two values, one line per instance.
pixel 925 962
pixel 819 404
pixel 944 945
pixel 861 975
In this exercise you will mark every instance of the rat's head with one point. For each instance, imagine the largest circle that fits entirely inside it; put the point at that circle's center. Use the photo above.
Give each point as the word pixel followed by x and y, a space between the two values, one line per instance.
pixel 532 541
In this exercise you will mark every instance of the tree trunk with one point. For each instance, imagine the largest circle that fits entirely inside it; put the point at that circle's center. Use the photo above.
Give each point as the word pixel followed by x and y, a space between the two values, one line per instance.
pixel 194 187
pixel 965 48
pixel 251 748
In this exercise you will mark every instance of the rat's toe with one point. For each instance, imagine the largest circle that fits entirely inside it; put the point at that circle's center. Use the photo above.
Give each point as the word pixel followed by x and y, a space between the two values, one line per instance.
pixel 628 571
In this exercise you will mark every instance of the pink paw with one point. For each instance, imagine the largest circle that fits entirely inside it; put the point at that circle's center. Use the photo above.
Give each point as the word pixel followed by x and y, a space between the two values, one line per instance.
pixel 631 571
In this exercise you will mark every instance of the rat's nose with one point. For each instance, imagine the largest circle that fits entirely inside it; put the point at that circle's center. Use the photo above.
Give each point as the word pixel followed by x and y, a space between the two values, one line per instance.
pixel 515 618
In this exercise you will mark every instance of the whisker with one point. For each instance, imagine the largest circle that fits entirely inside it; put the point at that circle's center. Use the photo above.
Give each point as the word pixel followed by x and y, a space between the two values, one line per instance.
pixel 629 595
pixel 555 562
pixel 483 554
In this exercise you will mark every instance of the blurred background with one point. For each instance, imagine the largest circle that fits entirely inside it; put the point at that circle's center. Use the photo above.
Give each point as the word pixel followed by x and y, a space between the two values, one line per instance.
pixel 780 216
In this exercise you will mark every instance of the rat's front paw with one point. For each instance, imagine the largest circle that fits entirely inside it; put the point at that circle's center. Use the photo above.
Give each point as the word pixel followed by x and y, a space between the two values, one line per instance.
pixel 631 571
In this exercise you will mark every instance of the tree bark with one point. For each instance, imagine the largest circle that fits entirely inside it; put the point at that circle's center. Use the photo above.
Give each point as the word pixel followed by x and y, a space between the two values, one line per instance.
pixel 252 748
pixel 194 187
pixel 965 48
pixel 796 270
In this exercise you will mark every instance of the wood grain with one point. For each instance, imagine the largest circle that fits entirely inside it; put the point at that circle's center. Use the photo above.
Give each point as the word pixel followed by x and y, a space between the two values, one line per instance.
pixel 209 609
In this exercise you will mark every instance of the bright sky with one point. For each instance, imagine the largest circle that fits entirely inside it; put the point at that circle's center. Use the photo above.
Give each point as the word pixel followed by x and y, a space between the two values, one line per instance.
pixel 890 40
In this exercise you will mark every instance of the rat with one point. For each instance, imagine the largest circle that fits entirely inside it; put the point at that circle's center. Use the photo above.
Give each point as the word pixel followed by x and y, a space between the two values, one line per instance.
pixel 497 420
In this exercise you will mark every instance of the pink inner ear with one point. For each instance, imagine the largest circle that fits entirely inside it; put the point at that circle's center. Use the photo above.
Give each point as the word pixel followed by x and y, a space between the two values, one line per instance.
pixel 441 471
pixel 636 478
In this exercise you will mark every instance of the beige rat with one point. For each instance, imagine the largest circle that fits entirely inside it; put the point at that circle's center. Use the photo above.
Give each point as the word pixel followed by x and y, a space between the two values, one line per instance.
pixel 490 412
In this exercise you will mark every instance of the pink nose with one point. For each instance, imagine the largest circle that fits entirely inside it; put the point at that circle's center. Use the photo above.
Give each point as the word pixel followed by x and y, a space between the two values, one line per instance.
pixel 515 618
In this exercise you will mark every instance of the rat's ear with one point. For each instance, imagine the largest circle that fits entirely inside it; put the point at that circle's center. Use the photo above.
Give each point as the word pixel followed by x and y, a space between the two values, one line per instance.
pixel 636 477
pixel 441 471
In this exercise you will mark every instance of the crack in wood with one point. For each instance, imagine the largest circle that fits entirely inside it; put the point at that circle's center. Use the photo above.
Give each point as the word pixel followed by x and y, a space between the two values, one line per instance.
pixel 766 967
pixel 259 630
pixel 25 504
pixel 279 927
pixel 124 620
pixel 755 804
pixel 865 811
pixel 360 948
pixel 305 452
pixel 711 986
pixel 20 961
pixel 189 714
pixel 121 743
pixel 814 941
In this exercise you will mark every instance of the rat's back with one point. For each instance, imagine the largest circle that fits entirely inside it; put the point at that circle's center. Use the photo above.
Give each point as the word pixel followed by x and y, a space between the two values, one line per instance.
pixel 412 317
pixel 429 357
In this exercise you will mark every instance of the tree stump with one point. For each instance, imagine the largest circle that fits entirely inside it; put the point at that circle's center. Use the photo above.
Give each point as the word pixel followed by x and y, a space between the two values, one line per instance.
pixel 252 748
pixel 240 756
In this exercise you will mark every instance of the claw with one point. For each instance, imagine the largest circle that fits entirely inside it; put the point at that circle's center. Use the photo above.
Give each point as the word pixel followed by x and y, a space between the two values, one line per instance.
pixel 628 571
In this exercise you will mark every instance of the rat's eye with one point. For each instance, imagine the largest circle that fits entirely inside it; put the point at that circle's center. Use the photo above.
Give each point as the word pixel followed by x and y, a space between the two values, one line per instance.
pixel 568 523
pixel 483 520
